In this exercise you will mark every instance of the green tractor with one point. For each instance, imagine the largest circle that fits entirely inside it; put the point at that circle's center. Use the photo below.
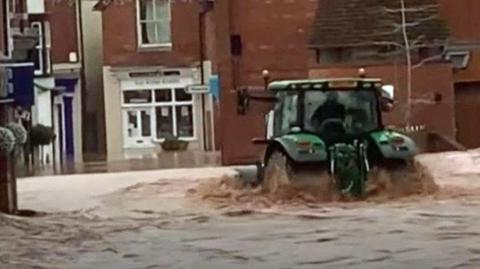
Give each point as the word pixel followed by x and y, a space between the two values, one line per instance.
pixel 329 126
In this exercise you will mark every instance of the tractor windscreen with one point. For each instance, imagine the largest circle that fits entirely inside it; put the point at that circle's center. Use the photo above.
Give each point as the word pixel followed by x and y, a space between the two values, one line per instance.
pixel 350 112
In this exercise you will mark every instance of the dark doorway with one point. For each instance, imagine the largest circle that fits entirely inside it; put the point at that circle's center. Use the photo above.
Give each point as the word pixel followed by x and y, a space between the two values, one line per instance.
pixel 467 108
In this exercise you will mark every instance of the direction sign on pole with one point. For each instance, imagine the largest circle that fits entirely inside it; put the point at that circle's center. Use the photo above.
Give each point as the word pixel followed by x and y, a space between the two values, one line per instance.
pixel 198 89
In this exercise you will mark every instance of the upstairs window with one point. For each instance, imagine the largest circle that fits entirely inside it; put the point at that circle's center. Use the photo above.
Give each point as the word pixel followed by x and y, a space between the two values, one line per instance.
pixel 154 23
pixel 41 54
pixel 4 30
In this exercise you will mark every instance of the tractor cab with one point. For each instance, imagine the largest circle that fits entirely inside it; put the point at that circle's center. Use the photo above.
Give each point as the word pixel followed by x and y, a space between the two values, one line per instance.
pixel 336 110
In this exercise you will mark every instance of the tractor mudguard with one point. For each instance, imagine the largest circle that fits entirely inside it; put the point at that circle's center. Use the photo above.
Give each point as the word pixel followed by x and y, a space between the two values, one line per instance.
pixel 393 145
pixel 300 147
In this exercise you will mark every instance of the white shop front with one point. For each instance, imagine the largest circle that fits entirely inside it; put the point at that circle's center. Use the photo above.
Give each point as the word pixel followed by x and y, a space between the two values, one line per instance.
pixel 154 105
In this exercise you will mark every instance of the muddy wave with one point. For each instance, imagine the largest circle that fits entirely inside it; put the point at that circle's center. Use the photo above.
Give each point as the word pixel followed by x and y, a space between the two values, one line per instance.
pixel 312 190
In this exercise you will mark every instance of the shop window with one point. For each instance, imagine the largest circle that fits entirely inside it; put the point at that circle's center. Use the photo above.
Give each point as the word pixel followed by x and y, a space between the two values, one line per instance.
pixel 137 97
pixel 173 112
pixel 184 120
pixel 163 95
pixel 164 121
pixel 182 95
pixel 154 22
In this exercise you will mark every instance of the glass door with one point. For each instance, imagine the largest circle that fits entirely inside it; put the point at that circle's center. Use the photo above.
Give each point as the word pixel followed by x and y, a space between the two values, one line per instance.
pixel 137 128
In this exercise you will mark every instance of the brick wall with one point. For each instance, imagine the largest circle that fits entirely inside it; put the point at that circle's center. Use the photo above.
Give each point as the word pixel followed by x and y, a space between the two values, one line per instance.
pixel 274 36
pixel 63 22
pixel 120 36
pixel 463 19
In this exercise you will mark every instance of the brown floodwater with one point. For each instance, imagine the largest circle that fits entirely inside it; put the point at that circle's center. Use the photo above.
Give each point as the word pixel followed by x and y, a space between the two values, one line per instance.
pixel 223 223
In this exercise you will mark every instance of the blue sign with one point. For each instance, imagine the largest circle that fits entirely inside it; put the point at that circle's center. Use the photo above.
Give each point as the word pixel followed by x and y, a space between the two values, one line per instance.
pixel 6 88
pixel 215 87
pixel 17 84
pixel 23 89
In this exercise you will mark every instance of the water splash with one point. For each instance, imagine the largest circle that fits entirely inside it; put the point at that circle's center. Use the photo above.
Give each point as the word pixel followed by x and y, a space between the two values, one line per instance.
pixel 313 189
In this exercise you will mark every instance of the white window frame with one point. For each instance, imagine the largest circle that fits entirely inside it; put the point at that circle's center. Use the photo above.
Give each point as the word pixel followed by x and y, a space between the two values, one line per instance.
pixel 140 44
pixel 462 53
pixel 153 105
pixel 8 33
pixel 41 50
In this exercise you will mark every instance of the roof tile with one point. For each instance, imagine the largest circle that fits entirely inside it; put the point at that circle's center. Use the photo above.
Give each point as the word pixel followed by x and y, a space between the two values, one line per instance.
pixel 347 23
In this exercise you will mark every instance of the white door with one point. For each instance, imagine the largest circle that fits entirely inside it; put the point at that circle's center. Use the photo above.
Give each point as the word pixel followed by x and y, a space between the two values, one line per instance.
pixel 137 128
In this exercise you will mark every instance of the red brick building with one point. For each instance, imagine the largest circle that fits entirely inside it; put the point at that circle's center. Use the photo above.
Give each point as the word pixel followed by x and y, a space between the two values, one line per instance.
pixel 52 27
pixel 240 39
pixel 444 88
pixel 445 82
pixel 150 57
pixel 247 37
pixel 153 46
pixel 342 38
pixel 463 17
pixel 39 81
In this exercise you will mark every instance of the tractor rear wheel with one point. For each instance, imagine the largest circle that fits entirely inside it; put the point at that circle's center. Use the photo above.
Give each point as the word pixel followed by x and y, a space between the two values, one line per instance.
pixel 277 172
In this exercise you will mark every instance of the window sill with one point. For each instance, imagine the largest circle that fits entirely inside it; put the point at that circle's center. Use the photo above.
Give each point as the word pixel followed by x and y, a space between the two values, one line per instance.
pixel 188 139
pixel 155 48
pixel 41 74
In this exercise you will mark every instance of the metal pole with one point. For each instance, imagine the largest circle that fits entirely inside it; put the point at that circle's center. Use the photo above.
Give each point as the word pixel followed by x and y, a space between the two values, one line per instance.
pixel 86 143
pixel 4 193
pixel 54 142
pixel 13 182
pixel 202 74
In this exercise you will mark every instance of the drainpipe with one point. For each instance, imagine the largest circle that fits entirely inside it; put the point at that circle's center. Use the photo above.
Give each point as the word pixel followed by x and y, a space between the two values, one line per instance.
pixel 4 193
pixel 201 17
pixel 205 6
pixel 83 93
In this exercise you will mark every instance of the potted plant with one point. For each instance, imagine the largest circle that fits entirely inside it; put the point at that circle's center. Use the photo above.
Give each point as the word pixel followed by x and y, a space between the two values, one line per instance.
pixel 173 143
pixel 7 141
pixel 19 132
pixel 41 135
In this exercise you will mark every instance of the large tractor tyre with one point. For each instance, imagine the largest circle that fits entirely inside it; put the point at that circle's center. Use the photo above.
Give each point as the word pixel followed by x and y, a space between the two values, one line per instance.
pixel 277 172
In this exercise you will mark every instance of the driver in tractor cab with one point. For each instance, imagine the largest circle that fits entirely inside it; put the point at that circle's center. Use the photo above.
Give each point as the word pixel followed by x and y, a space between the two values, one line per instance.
pixel 330 110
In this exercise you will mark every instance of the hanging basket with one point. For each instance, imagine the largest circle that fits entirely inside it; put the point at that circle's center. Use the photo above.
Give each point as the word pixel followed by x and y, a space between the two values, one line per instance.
pixel 19 132
pixel 7 141
pixel 41 135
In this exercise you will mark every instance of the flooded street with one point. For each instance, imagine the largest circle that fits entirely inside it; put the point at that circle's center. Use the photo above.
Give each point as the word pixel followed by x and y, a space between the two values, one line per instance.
pixel 158 220
pixel 439 235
